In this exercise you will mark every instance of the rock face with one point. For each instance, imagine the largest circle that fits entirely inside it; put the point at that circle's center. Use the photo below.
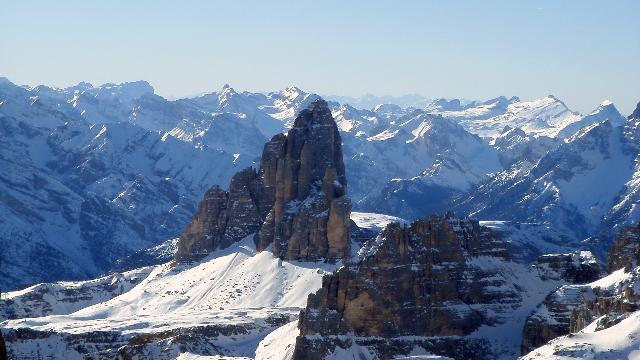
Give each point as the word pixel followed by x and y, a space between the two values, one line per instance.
pixel 310 214
pixel 576 268
pixel 419 282
pixel 3 349
pixel 571 308
pixel 296 202
pixel 223 217
pixel 625 252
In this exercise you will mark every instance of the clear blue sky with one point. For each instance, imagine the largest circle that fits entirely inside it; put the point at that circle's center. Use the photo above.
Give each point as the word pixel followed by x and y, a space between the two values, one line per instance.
pixel 581 51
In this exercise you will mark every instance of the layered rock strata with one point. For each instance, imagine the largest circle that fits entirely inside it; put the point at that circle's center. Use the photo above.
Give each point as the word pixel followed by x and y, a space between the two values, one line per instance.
pixel 625 252
pixel 422 285
pixel 573 268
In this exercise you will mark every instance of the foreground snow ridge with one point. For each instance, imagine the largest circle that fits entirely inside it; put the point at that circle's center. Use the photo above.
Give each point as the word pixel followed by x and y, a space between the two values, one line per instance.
pixel 238 294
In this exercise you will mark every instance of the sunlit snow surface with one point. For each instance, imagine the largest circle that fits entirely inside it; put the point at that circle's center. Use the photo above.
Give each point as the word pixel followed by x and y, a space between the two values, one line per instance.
pixel 374 221
pixel 237 287
pixel 620 341
pixel 253 296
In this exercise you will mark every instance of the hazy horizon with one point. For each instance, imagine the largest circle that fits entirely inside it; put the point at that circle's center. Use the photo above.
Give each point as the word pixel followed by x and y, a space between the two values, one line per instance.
pixel 583 52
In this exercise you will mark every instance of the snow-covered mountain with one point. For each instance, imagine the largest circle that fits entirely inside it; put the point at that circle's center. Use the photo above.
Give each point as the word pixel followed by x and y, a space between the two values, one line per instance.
pixel 427 160
pixel 237 303
pixel 79 195
pixel 520 133
pixel 97 173
pixel 225 304
pixel 239 280
pixel 547 116
pixel 575 187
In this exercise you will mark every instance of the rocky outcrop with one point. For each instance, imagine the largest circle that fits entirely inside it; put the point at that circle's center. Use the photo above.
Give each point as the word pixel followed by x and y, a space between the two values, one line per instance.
pixel 3 348
pixel 575 268
pixel 296 202
pixel 572 307
pixel 636 113
pixel 625 252
pixel 223 217
pixel 422 285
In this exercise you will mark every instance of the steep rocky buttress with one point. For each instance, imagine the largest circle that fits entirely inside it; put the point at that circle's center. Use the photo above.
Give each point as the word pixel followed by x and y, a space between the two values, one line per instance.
pixel 625 252
pixel 296 202
pixel 416 286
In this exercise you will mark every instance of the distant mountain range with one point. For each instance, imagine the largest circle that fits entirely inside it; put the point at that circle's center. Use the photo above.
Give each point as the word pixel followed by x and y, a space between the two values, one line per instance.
pixel 94 174
pixel 276 265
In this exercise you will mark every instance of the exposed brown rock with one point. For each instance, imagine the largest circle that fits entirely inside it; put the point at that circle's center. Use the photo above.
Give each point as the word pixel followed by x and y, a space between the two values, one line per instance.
pixel 296 202
pixel 206 229
pixel 416 281
pixel 552 318
pixel 3 348
pixel 310 216
pixel 625 252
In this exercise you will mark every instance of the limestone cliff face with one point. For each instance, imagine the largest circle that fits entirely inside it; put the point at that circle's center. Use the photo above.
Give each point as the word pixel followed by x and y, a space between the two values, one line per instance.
pixel 223 217
pixel 418 281
pixel 625 252
pixel 574 306
pixel 309 218
pixel 296 202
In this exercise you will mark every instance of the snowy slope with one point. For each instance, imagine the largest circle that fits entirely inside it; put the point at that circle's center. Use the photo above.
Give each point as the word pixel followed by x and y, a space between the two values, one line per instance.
pixel 238 293
pixel 547 116
pixel 67 297
pixel 619 341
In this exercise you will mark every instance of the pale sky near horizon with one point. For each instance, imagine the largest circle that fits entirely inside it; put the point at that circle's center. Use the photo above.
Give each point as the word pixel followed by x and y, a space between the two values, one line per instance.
pixel 580 51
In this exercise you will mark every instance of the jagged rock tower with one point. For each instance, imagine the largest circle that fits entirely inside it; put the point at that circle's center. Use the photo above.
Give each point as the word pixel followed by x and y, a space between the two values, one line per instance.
pixel 296 202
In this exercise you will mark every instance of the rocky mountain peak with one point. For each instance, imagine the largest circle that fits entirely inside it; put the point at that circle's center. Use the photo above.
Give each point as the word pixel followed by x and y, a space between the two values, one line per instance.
pixel 310 214
pixel 295 202
pixel 412 282
pixel 636 113
pixel 293 93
